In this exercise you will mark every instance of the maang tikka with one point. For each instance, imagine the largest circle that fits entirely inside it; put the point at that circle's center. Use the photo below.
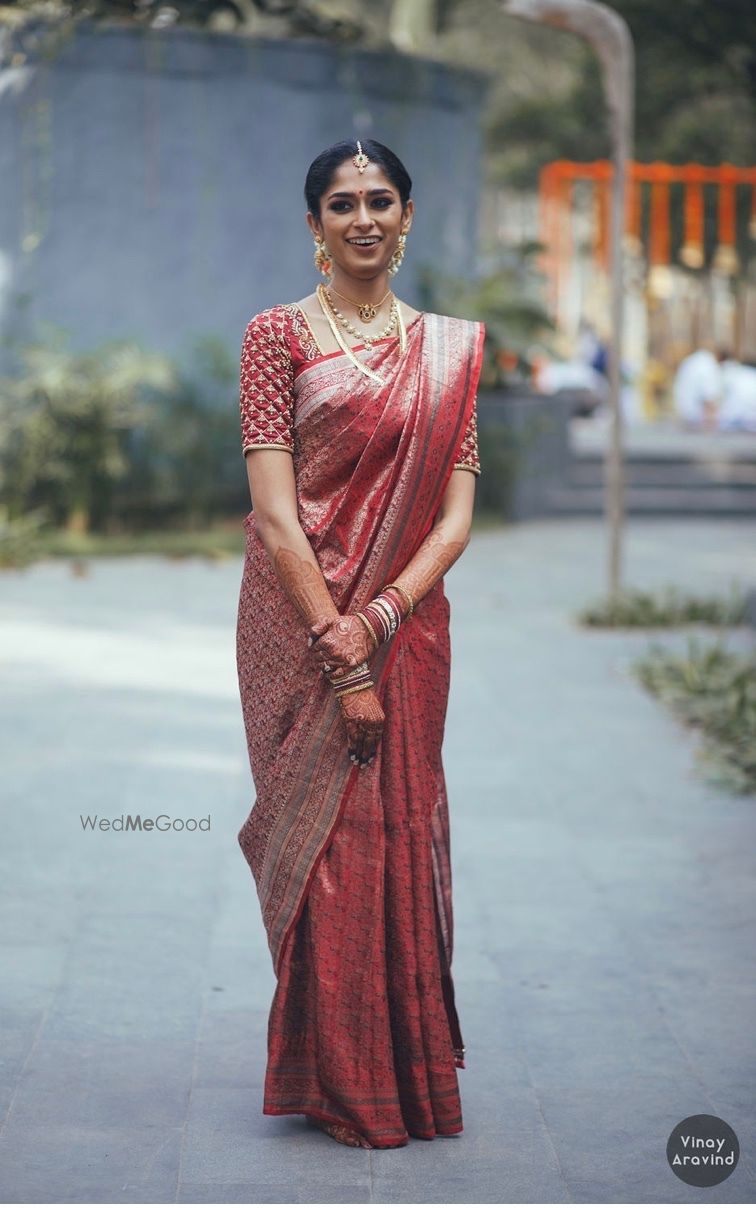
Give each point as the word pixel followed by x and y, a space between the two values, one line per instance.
pixel 360 160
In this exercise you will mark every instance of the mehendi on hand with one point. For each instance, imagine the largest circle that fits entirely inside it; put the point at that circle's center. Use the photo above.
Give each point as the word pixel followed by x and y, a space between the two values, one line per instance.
pixel 430 563
pixel 305 586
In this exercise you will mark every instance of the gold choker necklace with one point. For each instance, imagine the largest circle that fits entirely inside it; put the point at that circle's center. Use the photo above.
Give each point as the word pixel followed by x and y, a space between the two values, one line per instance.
pixel 366 310
pixel 363 335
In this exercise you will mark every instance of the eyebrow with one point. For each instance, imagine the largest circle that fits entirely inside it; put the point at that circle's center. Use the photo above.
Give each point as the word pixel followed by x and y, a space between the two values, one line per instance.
pixel 370 193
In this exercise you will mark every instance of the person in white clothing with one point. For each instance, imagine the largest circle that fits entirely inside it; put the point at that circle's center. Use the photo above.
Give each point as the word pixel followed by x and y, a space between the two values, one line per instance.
pixel 697 388
pixel 738 408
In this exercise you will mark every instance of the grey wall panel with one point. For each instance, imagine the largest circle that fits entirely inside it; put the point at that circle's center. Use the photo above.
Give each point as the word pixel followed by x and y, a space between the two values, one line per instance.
pixel 151 181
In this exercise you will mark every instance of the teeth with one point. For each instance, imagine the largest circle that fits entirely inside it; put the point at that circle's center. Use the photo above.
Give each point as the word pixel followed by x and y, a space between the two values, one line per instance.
pixel 371 239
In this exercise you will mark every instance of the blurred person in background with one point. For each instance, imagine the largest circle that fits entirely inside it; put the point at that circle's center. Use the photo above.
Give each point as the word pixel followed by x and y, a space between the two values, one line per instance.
pixel 697 388
pixel 737 412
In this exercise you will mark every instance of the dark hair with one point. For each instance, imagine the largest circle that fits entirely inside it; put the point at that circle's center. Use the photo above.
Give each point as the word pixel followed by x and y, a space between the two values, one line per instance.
pixel 322 170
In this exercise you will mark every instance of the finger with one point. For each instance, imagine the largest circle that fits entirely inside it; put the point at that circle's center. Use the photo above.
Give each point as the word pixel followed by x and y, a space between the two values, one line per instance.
pixel 367 741
pixel 367 745
pixel 370 746
pixel 359 745
pixel 353 736
pixel 375 738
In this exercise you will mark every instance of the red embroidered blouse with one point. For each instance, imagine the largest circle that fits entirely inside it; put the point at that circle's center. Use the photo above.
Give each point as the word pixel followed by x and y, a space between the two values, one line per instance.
pixel 276 343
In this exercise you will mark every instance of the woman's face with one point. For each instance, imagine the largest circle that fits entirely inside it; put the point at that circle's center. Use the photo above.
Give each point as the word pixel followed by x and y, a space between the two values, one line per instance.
pixel 359 205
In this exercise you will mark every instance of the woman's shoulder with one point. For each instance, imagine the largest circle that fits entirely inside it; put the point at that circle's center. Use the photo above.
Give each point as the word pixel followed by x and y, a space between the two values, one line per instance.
pixel 459 319
pixel 470 327
pixel 273 321
pixel 284 329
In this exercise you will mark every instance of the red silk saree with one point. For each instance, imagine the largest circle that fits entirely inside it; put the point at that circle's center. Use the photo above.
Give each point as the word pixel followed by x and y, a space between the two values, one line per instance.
pixel 352 866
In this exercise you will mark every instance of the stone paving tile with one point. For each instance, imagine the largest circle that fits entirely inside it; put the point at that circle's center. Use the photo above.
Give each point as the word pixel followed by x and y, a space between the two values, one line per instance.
pixel 604 895
pixel 229 1140
pixel 613 1138
pixel 71 1164
pixel 231 1051
pixel 309 1191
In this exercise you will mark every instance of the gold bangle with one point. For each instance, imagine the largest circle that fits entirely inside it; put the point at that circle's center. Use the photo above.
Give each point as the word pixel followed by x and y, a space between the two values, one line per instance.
pixel 403 591
pixel 351 674
pixel 370 629
pixel 388 609
pixel 357 688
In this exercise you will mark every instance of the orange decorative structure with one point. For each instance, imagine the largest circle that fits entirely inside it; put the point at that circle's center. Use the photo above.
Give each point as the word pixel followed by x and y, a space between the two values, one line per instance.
pixel 557 181
pixel 692 250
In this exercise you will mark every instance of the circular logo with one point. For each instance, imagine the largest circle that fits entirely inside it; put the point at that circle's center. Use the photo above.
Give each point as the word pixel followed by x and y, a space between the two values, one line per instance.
pixel 703 1150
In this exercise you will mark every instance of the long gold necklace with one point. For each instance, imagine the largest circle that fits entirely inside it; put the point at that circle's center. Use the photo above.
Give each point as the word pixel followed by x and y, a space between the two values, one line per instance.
pixel 366 310
pixel 325 306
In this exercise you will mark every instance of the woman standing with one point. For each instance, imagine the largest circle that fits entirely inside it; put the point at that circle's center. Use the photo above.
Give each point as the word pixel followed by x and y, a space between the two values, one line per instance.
pixel 357 413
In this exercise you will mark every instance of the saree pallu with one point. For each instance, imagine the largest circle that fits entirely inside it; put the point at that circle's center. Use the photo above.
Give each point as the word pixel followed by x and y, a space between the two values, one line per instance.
pixel 352 866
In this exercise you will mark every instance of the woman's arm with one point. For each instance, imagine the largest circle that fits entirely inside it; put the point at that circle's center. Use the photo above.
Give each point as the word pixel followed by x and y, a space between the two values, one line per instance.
pixel 446 540
pixel 272 487
pixel 443 545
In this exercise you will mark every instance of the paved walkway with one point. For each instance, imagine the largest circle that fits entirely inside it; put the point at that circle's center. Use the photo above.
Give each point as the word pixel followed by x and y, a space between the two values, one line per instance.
pixel 604 896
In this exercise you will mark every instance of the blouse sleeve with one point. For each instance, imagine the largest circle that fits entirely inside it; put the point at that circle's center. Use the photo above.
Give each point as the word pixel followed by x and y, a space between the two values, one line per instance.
pixel 266 387
pixel 467 455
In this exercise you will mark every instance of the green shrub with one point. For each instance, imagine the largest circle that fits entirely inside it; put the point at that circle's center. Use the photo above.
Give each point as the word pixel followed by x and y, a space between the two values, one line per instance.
pixel 645 610
pixel 64 424
pixel 713 690
pixel 116 439
pixel 21 539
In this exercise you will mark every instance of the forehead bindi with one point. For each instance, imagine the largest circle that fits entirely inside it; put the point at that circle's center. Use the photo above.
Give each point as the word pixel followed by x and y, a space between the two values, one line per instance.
pixel 345 191
pixel 348 179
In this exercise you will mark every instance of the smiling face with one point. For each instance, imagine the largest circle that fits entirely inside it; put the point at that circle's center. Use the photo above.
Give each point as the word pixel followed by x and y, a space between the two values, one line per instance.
pixel 361 218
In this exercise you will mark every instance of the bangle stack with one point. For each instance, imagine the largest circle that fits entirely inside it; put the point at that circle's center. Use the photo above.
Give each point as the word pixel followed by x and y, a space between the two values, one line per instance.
pixel 355 680
pixel 383 616
pixel 403 592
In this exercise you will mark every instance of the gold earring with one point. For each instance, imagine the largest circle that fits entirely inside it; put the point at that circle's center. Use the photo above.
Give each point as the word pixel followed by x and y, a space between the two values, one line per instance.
pixel 398 256
pixel 322 257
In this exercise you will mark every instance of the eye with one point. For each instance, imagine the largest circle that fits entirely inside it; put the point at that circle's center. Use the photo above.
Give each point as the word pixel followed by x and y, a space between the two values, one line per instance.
pixel 382 203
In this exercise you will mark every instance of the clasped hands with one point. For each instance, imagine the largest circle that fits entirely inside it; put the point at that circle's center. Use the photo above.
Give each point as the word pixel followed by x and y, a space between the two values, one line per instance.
pixel 343 643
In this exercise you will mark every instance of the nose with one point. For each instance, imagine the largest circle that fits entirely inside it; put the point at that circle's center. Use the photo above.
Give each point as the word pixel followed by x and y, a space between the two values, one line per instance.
pixel 363 217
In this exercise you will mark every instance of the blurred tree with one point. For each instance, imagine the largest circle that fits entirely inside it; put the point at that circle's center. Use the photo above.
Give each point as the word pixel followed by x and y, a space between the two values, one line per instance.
pixel 507 300
pixel 413 24
pixel 64 426
pixel 309 18
pixel 695 84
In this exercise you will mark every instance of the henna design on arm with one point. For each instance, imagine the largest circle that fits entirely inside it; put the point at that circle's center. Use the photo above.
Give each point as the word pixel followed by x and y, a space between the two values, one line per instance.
pixel 354 641
pixel 432 560
pixel 364 717
pixel 303 582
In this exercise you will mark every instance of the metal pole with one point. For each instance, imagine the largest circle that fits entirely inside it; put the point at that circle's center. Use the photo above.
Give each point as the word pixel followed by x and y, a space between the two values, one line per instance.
pixel 609 36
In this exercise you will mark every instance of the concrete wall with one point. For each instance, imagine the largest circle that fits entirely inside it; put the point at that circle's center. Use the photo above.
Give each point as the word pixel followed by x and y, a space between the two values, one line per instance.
pixel 151 182
pixel 525 452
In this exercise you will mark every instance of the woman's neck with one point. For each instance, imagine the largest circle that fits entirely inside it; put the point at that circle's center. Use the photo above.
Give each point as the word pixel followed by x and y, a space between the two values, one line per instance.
pixel 361 291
